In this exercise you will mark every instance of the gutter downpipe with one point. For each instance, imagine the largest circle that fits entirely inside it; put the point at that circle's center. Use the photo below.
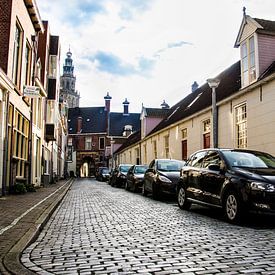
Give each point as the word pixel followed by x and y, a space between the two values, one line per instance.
pixel 5 149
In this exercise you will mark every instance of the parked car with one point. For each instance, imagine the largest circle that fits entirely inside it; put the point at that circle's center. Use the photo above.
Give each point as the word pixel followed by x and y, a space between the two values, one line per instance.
pixel 119 175
pixel 162 176
pixel 103 174
pixel 233 179
pixel 134 178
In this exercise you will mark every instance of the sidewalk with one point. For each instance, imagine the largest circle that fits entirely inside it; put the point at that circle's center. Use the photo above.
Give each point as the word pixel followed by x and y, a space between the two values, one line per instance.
pixel 21 219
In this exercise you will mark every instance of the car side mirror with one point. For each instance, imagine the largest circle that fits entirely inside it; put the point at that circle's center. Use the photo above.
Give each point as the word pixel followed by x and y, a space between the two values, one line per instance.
pixel 214 167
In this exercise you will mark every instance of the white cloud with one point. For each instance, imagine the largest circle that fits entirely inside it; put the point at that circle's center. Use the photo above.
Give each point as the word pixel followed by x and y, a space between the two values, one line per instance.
pixel 177 41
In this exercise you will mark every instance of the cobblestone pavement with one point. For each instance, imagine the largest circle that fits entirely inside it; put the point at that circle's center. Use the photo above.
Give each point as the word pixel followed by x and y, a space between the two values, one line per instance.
pixel 98 229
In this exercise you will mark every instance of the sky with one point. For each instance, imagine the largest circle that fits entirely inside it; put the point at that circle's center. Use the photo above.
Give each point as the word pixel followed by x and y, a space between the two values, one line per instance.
pixel 147 50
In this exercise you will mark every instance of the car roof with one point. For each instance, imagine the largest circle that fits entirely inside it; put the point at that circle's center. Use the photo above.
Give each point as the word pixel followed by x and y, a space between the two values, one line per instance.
pixel 228 149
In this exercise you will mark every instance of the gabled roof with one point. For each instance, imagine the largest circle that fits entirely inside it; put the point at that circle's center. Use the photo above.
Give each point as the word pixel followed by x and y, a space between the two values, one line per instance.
pixel 267 25
pixel 93 119
pixel 201 98
pixel 132 139
pixel 259 25
pixel 117 121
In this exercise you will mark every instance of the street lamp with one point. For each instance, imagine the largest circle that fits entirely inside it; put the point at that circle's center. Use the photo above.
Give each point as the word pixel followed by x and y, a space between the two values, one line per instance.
pixel 112 151
pixel 213 84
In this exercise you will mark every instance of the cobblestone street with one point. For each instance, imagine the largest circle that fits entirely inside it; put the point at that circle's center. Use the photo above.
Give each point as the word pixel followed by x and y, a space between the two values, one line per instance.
pixel 98 229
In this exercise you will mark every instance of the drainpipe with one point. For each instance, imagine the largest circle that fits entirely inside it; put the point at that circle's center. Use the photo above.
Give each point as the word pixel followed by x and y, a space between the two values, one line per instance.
pixel 5 149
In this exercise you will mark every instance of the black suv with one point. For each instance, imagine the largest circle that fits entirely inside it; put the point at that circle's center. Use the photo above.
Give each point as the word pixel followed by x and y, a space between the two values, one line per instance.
pixel 233 179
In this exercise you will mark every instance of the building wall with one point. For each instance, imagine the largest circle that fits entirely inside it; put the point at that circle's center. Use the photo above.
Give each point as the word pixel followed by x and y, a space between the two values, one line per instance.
pixel 261 119
pixel 19 12
pixel 260 104
pixel 266 45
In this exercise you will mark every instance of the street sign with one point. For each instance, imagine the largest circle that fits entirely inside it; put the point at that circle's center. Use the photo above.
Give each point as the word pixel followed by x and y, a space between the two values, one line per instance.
pixel 31 91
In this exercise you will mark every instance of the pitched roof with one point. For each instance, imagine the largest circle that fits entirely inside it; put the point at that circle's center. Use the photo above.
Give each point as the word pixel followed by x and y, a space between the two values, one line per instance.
pixel 201 98
pixel 156 112
pixel 266 24
pixel 93 119
pixel 117 121
pixel 132 139
pixel 270 70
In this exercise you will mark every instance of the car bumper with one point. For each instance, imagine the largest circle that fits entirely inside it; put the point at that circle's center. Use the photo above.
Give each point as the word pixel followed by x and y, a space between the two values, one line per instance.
pixel 170 188
pixel 262 202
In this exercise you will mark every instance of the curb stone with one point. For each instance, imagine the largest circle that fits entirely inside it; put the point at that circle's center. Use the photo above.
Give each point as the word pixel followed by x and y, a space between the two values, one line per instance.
pixel 11 261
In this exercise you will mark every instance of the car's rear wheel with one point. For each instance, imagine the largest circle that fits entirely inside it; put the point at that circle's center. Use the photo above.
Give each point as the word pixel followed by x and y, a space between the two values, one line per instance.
pixel 183 203
pixel 232 207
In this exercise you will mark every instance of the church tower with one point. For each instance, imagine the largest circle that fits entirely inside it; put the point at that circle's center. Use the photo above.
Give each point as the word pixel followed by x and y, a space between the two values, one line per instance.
pixel 67 90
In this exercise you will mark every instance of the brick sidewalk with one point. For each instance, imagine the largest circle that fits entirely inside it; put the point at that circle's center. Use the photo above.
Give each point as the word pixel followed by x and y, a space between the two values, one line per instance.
pixel 21 219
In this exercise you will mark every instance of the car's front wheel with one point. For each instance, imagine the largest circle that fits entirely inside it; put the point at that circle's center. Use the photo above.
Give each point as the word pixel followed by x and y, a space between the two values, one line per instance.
pixel 232 207
pixel 155 191
pixel 126 186
pixel 144 191
pixel 183 203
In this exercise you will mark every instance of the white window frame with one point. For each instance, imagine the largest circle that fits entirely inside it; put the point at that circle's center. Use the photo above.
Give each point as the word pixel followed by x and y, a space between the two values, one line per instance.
pixel 88 143
pixel 248 68
pixel 166 146
pixel 240 119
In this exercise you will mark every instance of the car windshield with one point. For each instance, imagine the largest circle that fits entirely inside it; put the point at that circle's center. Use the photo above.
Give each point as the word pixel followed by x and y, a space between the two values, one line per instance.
pixel 124 168
pixel 140 169
pixel 169 165
pixel 249 159
pixel 105 171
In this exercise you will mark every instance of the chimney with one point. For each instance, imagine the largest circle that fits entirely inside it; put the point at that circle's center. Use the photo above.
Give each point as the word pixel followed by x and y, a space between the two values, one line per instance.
pixel 194 86
pixel 164 105
pixel 126 107
pixel 107 102
pixel 79 125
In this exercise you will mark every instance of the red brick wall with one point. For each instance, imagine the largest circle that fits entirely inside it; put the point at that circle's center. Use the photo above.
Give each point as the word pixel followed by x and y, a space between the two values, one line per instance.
pixel 5 21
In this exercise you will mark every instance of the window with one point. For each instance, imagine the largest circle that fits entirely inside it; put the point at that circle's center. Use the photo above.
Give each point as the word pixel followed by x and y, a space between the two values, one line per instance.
pixel 38 159
pixel 130 156
pixel 37 112
pixel 184 133
pixel 197 159
pixel 20 143
pixel 206 134
pixel 27 65
pixel 166 146
pixel 184 144
pixel 145 153
pixel 101 143
pixel 17 52
pixel 88 143
pixel 155 149
pixel 70 153
pixel 53 66
pixel 10 143
pixel 137 156
pixel 206 126
pixel 248 61
pixel 212 158
pixel 70 149
pixel 241 126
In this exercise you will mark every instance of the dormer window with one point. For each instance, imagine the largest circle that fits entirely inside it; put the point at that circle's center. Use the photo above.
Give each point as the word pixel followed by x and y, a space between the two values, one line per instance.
pixel 248 61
